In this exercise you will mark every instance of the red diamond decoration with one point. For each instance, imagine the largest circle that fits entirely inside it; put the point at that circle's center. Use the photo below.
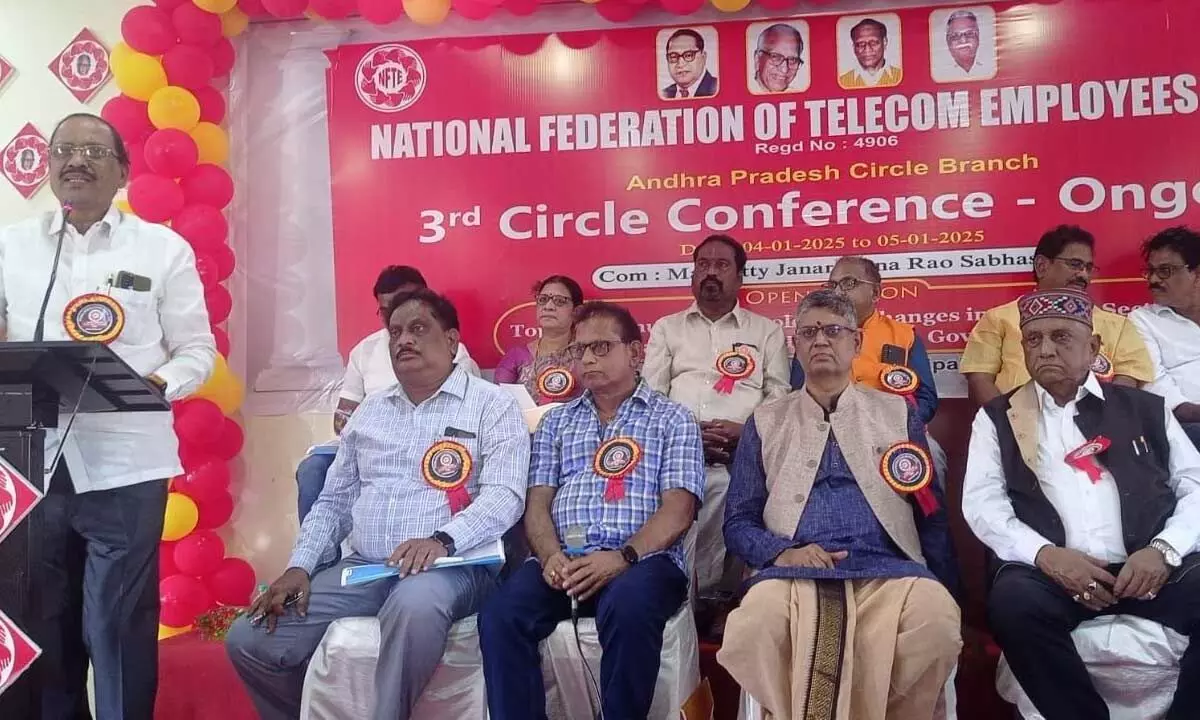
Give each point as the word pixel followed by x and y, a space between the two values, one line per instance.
pixel 83 66
pixel 17 652
pixel 25 161
pixel 7 71
pixel 17 498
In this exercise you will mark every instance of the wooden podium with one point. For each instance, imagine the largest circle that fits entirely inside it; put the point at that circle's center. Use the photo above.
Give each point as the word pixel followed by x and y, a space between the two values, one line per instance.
pixel 38 381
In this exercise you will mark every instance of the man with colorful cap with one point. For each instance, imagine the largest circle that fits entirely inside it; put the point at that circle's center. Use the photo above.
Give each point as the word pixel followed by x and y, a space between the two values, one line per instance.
pixel 433 467
pixel 615 480
pixel 1088 497
pixel 993 360
pixel 849 613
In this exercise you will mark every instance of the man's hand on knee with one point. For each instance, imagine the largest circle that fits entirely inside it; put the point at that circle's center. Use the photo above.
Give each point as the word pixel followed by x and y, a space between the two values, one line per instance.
pixel 1081 575
pixel 290 590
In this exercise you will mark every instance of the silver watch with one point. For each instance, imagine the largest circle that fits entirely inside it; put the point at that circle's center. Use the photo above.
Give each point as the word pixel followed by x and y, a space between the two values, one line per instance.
pixel 1170 556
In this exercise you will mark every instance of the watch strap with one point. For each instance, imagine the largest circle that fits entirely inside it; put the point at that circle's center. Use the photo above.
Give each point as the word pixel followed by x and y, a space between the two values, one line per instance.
pixel 1169 553
pixel 630 555
pixel 446 541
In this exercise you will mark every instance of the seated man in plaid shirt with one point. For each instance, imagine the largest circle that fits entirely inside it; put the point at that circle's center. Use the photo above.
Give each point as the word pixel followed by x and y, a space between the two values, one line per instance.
pixel 618 474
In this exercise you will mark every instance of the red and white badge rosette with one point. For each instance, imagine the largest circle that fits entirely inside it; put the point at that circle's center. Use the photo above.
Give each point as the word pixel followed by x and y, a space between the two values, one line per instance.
pixel 1085 458
pixel 733 365
pixel 555 383
pixel 447 466
pixel 94 317
pixel 614 460
pixel 900 380
pixel 908 468
pixel 1102 367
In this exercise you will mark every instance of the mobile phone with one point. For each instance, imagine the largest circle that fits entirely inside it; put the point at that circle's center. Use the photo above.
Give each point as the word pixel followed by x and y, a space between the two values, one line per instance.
pixel 129 281
pixel 893 355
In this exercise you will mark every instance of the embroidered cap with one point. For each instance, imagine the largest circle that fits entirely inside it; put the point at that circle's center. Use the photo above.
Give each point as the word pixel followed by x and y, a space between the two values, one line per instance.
pixel 1068 304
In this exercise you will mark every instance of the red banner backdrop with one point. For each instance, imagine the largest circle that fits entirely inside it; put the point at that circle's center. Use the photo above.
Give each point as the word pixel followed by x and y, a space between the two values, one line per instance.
pixel 492 162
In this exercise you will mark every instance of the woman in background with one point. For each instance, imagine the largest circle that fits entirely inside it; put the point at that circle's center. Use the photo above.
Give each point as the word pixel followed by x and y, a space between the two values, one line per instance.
pixel 543 366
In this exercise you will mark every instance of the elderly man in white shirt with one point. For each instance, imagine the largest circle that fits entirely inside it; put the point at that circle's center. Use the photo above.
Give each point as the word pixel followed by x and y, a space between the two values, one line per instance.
pixel 368 371
pixel 102 515
pixel 1171 326
pixel 1088 497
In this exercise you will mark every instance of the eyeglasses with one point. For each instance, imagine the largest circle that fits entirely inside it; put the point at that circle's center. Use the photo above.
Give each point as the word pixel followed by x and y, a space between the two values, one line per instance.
pixel 963 36
pixel 686 56
pixel 1078 265
pixel 779 60
pixel 65 151
pixel 846 284
pixel 1163 272
pixel 599 348
pixel 808 333
pixel 558 301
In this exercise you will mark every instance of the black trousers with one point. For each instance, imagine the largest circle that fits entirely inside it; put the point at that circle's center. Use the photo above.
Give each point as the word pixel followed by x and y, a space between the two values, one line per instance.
pixel 1032 618
pixel 99 579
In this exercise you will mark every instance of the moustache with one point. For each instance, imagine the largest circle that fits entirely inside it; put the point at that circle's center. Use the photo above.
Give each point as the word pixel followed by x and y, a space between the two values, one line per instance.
pixel 1157 288
pixel 713 282
pixel 68 172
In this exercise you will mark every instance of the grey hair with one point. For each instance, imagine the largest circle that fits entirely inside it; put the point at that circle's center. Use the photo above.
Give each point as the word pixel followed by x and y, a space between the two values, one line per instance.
pixel 832 301
pixel 780 29
pixel 962 15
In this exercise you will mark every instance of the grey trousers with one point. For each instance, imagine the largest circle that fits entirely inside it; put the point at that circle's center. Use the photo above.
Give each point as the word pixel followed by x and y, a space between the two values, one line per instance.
pixel 415 615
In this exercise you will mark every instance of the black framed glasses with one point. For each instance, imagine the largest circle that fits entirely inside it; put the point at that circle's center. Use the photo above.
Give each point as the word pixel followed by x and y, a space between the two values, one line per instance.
pixel 599 348
pixel 686 56
pixel 95 153
pixel 1078 265
pixel 558 301
pixel 1163 272
pixel 780 60
pixel 808 333
pixel 846 284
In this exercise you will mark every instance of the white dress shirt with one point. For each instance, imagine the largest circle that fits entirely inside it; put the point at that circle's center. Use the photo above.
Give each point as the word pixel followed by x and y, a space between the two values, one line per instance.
pixel 1173 342
pixel 1090 512
pixel 369 368
pixel 166 332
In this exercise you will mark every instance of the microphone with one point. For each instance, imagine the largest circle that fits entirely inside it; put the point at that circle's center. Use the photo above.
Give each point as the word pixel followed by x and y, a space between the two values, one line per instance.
pixel 40 329
pixel 576 541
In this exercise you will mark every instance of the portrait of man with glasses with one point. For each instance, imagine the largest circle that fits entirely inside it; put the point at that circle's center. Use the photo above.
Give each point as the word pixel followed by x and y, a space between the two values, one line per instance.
pixel 775 62
pixel 686 62
pixel 962 44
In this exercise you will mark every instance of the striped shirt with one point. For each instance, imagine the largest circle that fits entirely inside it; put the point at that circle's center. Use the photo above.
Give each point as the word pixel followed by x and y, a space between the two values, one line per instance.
pixel 564 449
pixel 375 492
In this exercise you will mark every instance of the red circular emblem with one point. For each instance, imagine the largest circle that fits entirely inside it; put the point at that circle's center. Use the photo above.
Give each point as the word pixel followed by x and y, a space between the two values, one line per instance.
pixel 906 467
pixel 446 465
pixel 899 379
pixel 1102 367
pixel 94 318
pixel 26 160
pixel 83 66
pixel 390 78
pixel 616 457
pixel 555 383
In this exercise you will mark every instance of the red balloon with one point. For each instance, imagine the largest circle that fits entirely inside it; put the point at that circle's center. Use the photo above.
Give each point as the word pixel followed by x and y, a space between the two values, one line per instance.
pixel 332 9
pixel 171 153
pixel 166 560
pixel 212 104
pixel 214 511
pixel 200 553
pixel 523 44
pixel 580 40
pixel 210 479
pixel 196 26
pixel 253 8
pixel 231 442
pixel 775 4
pixel 473 9
pixel 170 5
pixel 521 8
pixel 137 159
pixel 222 339
pixel 182 598
pixel 188 66
pixel 233 582
pixel 223 57
pixel 206 268
pixel 285 8
pixel 201 225
pixel 219 303
pixel 223 256
pixel 129 117
pixel 192 457
pixel 208 185
pixel 198 421
pixel 155 198
pixel 617 10
pixel 687 7
pixel 148 30
pixel 383 12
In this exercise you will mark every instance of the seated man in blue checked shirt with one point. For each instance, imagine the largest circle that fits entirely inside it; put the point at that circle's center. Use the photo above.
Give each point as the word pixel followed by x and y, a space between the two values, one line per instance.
pixel 622 469
pixel 434 467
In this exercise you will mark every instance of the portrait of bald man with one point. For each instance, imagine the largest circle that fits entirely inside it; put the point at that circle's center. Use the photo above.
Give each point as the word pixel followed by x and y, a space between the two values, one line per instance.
pixel 777 57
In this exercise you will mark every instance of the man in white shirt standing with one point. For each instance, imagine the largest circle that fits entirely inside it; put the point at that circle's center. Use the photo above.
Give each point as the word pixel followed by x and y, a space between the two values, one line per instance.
pixel 1088 497
pixel 368 371
pixel 1171 326
pixel 102 515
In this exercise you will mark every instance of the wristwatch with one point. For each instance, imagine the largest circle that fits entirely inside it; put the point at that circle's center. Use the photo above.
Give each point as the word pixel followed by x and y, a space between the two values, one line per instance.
pixel 446 541
pixel 629 554
pixel 1170 555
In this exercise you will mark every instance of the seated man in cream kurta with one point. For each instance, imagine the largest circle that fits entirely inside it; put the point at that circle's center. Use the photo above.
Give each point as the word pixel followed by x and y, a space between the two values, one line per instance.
pixel 832 503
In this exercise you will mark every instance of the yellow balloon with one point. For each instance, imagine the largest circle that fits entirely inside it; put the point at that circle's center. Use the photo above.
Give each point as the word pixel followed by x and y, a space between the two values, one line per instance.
pixel 180 517
pixel 139 76
pixel 216 6
pixel 223 388
pixel 427 12
pixel 234 22
pixel 123 206
pixel 166 633
pixel 174 107
pixel 729 5
pixel 120 53
pixel 212 143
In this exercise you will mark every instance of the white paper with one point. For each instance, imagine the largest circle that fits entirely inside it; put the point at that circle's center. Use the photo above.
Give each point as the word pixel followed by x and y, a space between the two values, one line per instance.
pixel 521 395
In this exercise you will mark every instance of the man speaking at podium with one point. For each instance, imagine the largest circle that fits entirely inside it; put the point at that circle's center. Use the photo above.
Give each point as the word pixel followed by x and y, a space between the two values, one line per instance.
pixel 134 286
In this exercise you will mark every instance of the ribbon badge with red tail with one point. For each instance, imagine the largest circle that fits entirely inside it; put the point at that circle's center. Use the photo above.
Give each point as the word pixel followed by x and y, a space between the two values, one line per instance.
pixel 447 466
pixel 733 365
pixel 555 383
pixel 900 380
pixel 908 469
pixel 1084 457
pixel 614 461
pixel 1102 367
pixel 94 318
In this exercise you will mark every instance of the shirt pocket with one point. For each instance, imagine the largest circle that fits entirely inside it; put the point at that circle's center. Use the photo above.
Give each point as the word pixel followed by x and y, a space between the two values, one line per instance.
pixel 141 317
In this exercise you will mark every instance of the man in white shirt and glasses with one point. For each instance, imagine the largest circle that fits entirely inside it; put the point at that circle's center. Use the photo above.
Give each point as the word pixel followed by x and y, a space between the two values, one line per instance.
pixel 1171 326
pixel 102 515
pixel 778 58
pixel 1088 497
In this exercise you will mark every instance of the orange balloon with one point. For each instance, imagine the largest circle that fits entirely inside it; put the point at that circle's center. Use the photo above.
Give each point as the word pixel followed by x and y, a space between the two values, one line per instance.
pixel 223 388
pixel 427 12
pixel 212 143
pixel 234 22
pixel 174 108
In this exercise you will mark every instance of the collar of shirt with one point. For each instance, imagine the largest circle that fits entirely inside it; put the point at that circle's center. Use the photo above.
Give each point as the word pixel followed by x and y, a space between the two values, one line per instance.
pixel 691 89
pixel 111 221
pixel 874 75
pixel 1090 385
pixel 738 314
pixel 641 393
pixel 455 384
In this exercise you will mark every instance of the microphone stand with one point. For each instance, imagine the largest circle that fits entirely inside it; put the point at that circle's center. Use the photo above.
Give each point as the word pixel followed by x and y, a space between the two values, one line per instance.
pixel 40 329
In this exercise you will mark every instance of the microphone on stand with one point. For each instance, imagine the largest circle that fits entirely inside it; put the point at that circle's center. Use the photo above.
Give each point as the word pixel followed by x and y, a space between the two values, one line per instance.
pixel 40 329
pixel 576 541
